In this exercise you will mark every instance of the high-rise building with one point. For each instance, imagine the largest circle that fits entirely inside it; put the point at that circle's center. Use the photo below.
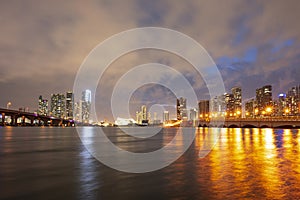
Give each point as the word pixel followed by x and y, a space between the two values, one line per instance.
pixel 69 105
pixel 181 109
pixel 58 105
pixel 78 111
pixel 293 99
pixel 43 106
pixel 86 105
pixel 237 99
pixel 280 105
pixel 204 109
pixel 193 114
pixel 263 99
pixel 166 116
pixel 218 106
pixel 250 108
pixel 141 116
pixel 230 105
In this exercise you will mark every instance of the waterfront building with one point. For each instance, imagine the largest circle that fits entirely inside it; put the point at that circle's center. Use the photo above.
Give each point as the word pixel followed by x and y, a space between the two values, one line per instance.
pixel 141 116
pixel 86 105
pixel 250 108
pixel 58 105
pixel 263 100
pixel 193 114
pixel 293 101
pixel 78 111
pixel 166 116
pixel 280 105
pixel 237 100
pixel 181 109
pixel 230 105
pixel 69 105
pixel 204 109
pixel 218 106
pixel 43 106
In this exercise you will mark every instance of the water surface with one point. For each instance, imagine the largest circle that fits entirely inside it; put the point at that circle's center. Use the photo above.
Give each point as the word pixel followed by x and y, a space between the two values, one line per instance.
pixel 52 163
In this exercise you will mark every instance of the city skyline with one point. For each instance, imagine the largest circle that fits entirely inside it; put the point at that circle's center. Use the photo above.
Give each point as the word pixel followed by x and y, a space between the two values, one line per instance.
pixel 227 105
pixel 257 44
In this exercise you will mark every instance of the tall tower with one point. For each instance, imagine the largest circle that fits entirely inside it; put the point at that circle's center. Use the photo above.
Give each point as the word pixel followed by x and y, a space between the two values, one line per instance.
pixel 237 100
pixel 43 106
pixel 181 109
pixel 58 105
pixel 86 105
pixel 69 105
pixel 263 98
pixel 166 116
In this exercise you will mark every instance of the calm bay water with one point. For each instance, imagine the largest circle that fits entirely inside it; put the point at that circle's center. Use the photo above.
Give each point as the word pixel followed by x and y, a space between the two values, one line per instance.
pixel 52 163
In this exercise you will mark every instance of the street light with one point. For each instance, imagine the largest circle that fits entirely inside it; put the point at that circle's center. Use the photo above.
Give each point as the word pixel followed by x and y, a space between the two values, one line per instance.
pixel 268 109
pixel 286 111
pixel 8 105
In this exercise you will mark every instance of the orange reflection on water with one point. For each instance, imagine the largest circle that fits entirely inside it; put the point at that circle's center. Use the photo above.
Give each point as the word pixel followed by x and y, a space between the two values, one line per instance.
pixel 256 163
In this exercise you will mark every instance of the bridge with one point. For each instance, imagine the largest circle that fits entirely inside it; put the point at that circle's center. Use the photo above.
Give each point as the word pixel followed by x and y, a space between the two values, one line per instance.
pixel 20 118
pixel 271 122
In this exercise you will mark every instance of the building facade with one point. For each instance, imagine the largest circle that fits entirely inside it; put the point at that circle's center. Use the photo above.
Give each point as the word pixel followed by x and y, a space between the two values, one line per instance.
pixel 86 101
pixel 263 99
pixel 43 106
pixel 69 105
pixel 57 105
pixel 181 109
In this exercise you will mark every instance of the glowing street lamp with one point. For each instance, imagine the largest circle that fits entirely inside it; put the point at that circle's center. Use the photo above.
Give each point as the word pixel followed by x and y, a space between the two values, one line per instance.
pixel 8 105
pixel 287 111
pixel 268 109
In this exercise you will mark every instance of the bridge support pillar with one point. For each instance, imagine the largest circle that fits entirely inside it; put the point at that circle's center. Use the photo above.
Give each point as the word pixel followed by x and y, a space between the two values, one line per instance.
pixel 3 119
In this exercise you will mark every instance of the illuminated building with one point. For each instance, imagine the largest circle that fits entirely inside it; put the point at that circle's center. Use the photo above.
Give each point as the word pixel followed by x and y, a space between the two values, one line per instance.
pixel 58 105
pixel 69 105
pixel 293 99
pixel 230 105
pixel 193 114
pixel 124 122
pixel 280 105
pixel 218 105
pixel 166 116
pixel 43 106
pixel 250 108
pixel 263 98
pixel 86 105
pixel 78 111
pixel 181 109
pixel 237 99
pixel 204 108
pixel 141 116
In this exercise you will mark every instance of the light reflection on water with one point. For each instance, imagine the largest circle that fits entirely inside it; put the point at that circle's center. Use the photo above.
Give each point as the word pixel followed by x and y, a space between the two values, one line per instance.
pixel 52 163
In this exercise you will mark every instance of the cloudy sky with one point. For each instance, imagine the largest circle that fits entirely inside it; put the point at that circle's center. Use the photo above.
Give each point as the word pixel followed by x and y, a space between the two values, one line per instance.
pixel 43 43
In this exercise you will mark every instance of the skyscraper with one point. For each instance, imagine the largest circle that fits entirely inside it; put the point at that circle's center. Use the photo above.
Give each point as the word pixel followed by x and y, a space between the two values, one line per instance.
pixel 230 104
pixel 69 105
pixel 181 109
pixel 43 106
pixel 293 99
pixel 166 116
pixel 86 105
pixel 263 98
pixel 58 105
pixel 249 108
pixel 237 99
pixel 204 109
pixel 193 114
pixel 141 117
